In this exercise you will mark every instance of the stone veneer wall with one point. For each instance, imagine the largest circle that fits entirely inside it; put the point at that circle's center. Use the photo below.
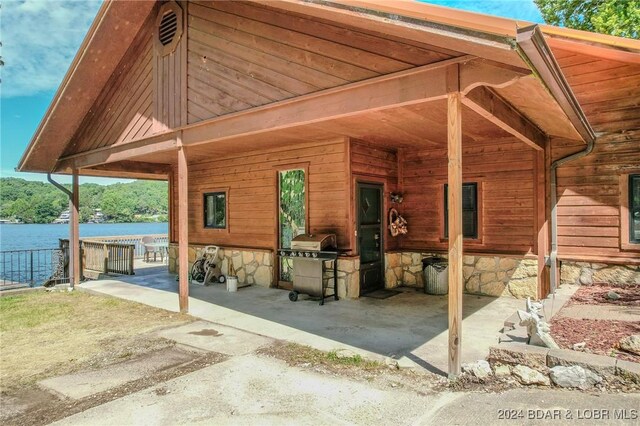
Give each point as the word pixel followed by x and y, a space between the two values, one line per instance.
pixel 487 275
pixel 584 273
pixel 252 267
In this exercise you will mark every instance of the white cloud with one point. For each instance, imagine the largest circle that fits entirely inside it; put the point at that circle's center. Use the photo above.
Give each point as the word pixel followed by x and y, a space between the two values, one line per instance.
pixel 39 40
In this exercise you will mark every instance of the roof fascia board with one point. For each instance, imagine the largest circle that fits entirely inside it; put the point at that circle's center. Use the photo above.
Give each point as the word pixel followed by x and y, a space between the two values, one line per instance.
pixel 535 51
pixel 496 47
pixel 58 97
pixel 487 24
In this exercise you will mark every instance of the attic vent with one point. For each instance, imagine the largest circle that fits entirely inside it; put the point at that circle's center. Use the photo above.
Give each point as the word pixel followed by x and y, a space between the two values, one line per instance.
pixel 168 27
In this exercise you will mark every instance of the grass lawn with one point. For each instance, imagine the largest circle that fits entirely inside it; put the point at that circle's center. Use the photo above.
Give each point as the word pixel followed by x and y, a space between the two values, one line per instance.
pixel 43 334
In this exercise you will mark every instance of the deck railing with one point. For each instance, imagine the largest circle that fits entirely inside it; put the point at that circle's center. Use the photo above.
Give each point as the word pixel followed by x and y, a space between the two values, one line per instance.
pixel 108 257
pixel 33 268
pixel 36 267
pixel 136 240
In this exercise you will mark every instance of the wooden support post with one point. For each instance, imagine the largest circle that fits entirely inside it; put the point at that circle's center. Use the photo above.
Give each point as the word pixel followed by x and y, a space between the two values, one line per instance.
pixel 74 232
pixel 183 231
pixel 454 155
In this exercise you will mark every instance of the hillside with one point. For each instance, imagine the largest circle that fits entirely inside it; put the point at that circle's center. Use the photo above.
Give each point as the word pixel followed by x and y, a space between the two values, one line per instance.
pixel 39 202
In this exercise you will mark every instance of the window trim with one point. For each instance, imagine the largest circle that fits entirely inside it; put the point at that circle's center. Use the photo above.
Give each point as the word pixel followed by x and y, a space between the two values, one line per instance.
pixel 479 182
pixel 207 193
pixel 626 243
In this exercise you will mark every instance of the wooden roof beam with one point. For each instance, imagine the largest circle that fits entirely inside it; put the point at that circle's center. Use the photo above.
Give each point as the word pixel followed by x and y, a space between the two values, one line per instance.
pixel 417 85
pixel 120 152
pixel 489 105
pixel 130 169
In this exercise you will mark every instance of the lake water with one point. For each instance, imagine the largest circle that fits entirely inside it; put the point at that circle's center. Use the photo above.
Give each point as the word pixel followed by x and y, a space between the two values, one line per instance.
pixel 45 236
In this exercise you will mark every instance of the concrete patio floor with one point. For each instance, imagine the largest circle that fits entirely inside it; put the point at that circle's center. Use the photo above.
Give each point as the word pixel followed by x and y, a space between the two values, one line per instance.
pixel 410 327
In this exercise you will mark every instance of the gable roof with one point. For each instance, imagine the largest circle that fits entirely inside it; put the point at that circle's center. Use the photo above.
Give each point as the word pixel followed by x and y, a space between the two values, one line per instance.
pixel 117 24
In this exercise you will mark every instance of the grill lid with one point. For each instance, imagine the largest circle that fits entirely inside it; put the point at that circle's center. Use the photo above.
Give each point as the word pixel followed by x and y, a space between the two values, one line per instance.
pixel 316 242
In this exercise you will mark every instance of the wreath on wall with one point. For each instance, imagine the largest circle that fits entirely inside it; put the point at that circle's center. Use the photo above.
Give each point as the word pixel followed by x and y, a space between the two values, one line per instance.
pixel 397 224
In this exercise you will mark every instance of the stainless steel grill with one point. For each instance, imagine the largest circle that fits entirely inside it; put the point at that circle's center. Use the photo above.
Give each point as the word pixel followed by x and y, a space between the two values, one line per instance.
pixel 311 253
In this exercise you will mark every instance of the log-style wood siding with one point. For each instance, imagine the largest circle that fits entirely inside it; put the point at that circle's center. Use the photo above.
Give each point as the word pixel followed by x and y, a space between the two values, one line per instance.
pixel 123 111
pixel 242 56
pixel 589 191
pixel 250 180
pixel 589 199
pixel 504 170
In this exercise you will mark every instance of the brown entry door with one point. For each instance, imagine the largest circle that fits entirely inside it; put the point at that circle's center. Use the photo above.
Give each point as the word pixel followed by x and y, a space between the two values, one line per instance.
pixel 370 244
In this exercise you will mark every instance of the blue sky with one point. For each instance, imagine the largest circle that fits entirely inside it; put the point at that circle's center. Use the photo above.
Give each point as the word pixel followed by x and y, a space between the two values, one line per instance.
pixel 40 38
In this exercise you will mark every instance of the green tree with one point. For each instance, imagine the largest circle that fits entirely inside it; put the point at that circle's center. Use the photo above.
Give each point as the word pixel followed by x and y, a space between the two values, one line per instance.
pixel 615 17
pixel 39 202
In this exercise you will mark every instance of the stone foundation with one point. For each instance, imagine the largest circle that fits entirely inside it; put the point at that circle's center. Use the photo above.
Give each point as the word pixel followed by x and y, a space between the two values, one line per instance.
pixel 599 273
pixel 486 275
pixel 348 277
pixel 252 267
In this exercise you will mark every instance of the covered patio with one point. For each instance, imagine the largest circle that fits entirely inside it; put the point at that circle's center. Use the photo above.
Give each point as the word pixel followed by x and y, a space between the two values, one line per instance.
pixel 410 327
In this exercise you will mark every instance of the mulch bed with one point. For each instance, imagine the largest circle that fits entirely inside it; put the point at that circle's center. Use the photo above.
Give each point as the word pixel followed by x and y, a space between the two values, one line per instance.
pixel 600 336
pixel 597 295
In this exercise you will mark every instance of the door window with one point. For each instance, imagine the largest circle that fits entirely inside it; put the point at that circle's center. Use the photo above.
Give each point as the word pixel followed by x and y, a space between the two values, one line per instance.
pixel 292 213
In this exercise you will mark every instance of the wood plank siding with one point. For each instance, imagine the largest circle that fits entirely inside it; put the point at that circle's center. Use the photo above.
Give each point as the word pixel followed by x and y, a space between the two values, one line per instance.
pixel 169 86
pixel 242 55
pixel 123 110
pixel 250 180
pixel 589 189
pixel 504 170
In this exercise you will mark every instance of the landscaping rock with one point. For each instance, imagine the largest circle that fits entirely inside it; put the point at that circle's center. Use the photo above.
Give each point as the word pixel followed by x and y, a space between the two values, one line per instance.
pixel 631 344
pixel 599 364
pixel 515 353
pixel 501 370
pixel 574 377
pixel 391 363
pixel 529 376
pixel 628 370
pixel 579 346
pixel 612 295
pixel 480 369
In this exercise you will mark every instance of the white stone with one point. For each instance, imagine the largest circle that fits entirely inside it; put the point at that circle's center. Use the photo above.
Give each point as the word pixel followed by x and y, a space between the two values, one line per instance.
pixel 501 370
pixel 574 377
pixel 480 369
pixel 468 260
pixel 631 344
pixel 586 277
pixel 529 376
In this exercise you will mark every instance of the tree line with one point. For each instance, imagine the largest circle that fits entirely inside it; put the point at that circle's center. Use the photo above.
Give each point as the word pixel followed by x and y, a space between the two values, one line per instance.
pixel 40 202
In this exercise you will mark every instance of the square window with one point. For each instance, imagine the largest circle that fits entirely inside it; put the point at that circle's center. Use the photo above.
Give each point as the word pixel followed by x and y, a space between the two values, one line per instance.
pixel 469 210
pixel 215 210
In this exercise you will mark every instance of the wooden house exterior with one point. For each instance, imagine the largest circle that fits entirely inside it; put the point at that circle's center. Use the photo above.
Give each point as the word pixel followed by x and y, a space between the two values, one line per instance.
pixel 219 97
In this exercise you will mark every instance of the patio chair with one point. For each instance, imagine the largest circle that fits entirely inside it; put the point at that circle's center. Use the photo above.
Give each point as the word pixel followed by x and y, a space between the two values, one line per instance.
pixel 148 249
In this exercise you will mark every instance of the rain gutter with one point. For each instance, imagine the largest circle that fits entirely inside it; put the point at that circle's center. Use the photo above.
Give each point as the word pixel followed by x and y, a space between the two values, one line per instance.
pixel 535 51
